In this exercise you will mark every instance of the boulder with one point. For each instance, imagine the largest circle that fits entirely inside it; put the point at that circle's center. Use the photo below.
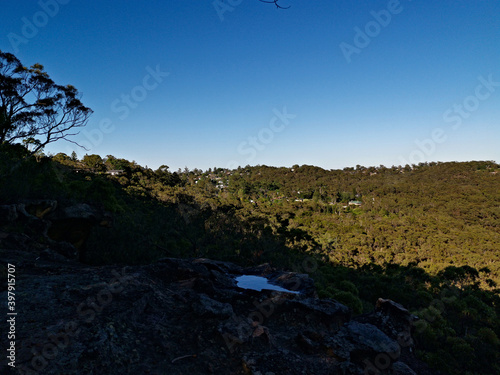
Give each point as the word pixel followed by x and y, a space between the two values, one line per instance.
pixel 208 307
pixel 363 343
pixel 64 228
pixel 400 368
pixel 40 208
pixel 326 313
pixel 394 320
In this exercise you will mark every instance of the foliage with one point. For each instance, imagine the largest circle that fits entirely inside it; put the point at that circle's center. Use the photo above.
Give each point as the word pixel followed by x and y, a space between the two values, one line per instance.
pixel 425 236
pixel 93 162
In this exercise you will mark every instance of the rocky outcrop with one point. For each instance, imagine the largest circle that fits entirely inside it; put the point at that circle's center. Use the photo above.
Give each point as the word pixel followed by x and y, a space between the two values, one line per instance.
pixel 64 228
pixel 179 316
pixel 188 316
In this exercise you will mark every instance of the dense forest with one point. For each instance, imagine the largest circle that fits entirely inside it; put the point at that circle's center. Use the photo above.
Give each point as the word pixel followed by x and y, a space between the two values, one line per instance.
pixel 427 235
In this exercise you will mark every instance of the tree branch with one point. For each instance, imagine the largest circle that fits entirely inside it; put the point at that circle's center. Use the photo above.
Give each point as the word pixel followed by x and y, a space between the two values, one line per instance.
pixel 275 2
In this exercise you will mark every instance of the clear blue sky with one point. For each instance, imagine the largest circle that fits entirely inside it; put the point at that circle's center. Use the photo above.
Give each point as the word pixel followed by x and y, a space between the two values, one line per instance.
pixel 361 82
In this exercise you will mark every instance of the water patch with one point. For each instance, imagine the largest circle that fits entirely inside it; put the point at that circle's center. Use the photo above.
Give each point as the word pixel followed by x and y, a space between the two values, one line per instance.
pixel 259 283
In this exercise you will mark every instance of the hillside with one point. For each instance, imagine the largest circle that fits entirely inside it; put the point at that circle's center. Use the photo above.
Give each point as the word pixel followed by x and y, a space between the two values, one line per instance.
pixel 426 236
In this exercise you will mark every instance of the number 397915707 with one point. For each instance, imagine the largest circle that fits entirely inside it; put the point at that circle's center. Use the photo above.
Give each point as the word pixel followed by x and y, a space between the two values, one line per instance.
pixel 11 286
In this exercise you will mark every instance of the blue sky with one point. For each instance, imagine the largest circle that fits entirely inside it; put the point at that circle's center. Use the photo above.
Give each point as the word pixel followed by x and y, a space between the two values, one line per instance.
pixel 332 84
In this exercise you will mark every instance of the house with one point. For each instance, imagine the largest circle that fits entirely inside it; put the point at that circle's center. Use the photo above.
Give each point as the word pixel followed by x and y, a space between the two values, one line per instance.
pixel 115 172
pixel 355 203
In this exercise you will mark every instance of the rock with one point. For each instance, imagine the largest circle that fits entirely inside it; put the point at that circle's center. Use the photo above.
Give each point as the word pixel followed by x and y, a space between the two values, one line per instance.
pixel 400 368
pixel 223 267
pixel 79 211
pixel 74 231
pixel 261 270
pixel 208 307
pixel 306 344
pixel 349 368
pixel 357 342
pixel 40 208
pixel 173 269
pixel 223 279
pixel 8 214
pixel 394 320
pixel 32 223
pixel 63 248
pixel 294 281
pixel 64 228
pixel 236 331
pixel 74 223
pixel 394 309
pixel 312 311
pixel 179 316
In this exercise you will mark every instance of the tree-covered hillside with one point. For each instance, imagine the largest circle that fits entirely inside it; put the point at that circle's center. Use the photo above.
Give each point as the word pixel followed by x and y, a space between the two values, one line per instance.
pixel 426 236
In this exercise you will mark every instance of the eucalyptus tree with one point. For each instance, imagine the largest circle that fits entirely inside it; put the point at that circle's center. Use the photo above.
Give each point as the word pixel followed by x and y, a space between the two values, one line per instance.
pixel 34 110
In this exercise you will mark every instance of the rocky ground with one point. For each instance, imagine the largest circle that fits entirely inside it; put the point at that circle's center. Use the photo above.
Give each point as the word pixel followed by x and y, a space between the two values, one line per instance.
pixel 180 316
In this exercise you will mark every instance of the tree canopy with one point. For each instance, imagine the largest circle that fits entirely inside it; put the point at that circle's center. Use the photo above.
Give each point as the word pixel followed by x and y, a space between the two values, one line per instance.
pixel 33 108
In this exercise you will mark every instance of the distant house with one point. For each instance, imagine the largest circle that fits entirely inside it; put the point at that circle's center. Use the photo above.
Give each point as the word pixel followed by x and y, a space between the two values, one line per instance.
pixel 115 172
pixel 355 203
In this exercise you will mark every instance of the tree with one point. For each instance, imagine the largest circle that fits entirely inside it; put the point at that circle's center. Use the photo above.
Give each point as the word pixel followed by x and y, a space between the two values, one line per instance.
pixel 34 109
pixel 117 163
pixel 61 157
pixel 94 162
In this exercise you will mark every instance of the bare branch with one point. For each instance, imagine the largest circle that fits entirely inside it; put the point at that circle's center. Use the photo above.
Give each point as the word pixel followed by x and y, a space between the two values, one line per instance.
pixel 275 2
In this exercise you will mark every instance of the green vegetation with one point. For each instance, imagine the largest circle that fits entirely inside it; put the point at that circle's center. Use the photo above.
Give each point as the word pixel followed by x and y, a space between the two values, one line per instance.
pixel 426 236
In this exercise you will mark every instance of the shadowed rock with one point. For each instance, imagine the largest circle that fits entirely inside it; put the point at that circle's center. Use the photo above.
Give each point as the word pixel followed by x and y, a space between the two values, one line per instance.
pixel 358 342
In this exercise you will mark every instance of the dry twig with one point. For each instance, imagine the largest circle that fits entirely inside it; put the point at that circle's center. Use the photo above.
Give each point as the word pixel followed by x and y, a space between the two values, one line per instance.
pixel 184 356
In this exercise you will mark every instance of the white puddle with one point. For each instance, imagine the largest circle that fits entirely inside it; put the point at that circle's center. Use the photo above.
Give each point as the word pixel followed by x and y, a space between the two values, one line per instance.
pixel 258 283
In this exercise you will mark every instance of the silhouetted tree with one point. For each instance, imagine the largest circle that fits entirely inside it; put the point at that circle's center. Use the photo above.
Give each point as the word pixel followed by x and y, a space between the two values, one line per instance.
pixel 34 109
